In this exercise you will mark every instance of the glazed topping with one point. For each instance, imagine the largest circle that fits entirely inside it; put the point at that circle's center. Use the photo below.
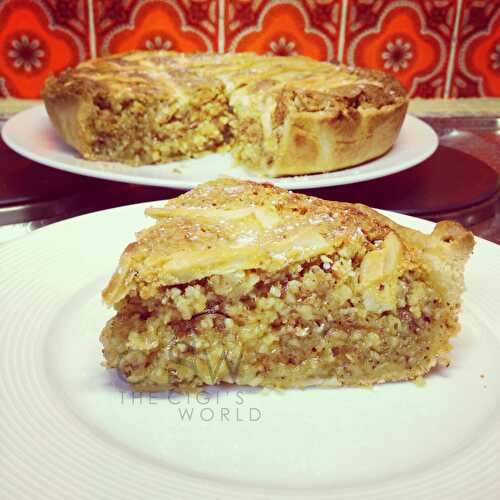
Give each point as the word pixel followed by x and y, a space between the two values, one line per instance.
pixel 229 225
pixel 172 74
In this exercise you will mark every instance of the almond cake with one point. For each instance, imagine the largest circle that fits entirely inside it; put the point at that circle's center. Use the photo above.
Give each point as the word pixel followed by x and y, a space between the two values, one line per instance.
pixel 277 115
pixel 249 284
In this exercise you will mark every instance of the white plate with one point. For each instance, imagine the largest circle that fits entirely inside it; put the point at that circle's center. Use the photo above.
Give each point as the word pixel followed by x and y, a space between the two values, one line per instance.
pixel 70 429
pixel 31 134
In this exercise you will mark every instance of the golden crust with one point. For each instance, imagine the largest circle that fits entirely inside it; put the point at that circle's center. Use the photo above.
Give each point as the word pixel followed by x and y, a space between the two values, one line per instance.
pixel 68 114
pixel 323 144
pixel 322 116
pixel 172 74
pixel 229 225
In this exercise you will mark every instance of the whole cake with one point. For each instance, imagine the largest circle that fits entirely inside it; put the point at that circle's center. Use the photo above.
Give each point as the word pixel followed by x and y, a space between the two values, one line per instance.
pixel 277 115
pixel 250 284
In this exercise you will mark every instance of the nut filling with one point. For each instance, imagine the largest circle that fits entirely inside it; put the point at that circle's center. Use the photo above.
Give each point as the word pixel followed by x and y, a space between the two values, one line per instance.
pixel 288 329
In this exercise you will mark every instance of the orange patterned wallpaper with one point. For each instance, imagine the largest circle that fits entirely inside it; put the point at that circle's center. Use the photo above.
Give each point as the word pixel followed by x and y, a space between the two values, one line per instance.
pixel 437 48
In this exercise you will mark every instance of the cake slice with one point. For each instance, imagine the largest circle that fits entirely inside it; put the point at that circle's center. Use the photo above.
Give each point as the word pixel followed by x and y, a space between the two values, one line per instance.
pixel 249 284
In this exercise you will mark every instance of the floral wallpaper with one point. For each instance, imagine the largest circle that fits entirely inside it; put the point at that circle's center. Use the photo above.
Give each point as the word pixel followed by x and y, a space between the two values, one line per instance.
pixel 437 48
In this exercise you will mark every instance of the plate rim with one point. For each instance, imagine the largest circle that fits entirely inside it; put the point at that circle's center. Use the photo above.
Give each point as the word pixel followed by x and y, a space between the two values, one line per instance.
pixel 309 181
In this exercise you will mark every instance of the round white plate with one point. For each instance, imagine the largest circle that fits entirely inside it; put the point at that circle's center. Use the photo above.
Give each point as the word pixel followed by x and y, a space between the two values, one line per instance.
pixel 70 429
pixel 31 134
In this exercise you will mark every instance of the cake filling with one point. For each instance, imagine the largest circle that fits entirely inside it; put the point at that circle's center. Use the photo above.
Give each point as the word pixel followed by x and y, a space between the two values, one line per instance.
pixel 312 322
pixel 143 131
